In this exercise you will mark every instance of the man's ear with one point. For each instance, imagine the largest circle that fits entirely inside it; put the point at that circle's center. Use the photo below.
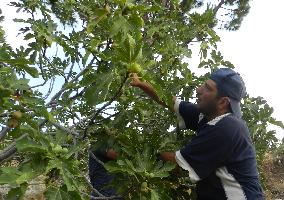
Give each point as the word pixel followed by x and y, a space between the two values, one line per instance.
pixel 225 102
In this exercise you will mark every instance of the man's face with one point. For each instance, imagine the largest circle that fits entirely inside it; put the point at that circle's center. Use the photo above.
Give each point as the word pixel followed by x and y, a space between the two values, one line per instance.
pixel 207 97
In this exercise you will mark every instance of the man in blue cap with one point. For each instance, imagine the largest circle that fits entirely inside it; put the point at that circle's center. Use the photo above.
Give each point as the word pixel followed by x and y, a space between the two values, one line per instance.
pixel 220 158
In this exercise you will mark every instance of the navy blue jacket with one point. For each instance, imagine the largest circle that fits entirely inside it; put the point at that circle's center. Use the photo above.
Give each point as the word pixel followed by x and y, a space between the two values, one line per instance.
pixel 220 158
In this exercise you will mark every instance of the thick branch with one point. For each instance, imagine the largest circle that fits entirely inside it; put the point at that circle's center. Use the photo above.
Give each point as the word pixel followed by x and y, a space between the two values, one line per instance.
pixel 10 150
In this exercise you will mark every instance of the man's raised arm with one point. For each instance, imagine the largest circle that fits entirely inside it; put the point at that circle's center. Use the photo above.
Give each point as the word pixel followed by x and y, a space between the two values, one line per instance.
pixel 149 90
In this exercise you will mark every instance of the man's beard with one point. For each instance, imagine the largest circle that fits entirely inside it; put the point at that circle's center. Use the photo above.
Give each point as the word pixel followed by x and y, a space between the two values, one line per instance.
pixel 209 109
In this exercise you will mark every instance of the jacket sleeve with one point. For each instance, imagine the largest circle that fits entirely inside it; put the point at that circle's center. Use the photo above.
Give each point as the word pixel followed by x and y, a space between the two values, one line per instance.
pixel 187 113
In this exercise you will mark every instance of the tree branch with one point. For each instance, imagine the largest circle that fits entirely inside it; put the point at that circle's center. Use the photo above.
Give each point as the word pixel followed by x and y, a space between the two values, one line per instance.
pixel 100 198
pixel 3 132
pixel 77 95
pixel 50 88
pixel 233 10
pixel 110 116
pixel 69 73
pixel 42 84
pixel 11 149
pixel 57 95
pixel 218 7
pixel 64 129
pixel 116 95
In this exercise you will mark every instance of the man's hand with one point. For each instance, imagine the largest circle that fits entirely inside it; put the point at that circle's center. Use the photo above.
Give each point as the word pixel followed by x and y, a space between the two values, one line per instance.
pixel 147 88
pixel 136 82
pixel 168 156
pixel 111 154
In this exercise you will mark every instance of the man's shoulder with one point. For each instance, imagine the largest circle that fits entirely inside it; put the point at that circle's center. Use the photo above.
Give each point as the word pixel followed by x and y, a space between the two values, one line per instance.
pixel 230 127
pixel 232 121
pixel 234 128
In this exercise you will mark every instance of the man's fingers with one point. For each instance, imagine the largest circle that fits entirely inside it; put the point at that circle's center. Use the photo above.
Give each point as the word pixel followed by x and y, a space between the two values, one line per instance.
pixel 135 79
pixel 132 75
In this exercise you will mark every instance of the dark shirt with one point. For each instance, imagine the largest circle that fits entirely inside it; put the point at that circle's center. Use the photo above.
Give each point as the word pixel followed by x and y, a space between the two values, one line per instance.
pixel 221 155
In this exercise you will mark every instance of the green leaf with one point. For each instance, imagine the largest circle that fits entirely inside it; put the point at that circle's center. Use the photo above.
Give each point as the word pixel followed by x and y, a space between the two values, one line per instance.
pixel 137 53
pixel 277 123
pixel 54 164
pixel 32 71
pixel 27 145
pixel 21 84
pixel 112 166
pixel 67 169
pixel 17 193
pixel 136 21
pixel 28 36
pixel 213 34
pixel 50 117
pixel 10 170
pixel 33 56
pixel 97 93
pixel 72 151
pixel 53 193
pixel 68 179
pixel 26 176
pixel 120 24
pixel 85 58
pixel 42 111
pixel 88 79
pixel 154 195
pixel 9 175
pixel 22 64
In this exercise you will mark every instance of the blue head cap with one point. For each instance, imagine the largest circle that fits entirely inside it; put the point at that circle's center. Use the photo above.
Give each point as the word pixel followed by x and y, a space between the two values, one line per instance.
pixel 230 84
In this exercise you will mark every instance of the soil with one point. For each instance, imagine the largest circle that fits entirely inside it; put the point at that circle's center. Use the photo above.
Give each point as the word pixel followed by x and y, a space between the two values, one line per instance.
pixel 273 168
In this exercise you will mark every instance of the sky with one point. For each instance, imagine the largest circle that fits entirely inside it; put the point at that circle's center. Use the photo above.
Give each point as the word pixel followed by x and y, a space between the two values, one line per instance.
pixel 255 50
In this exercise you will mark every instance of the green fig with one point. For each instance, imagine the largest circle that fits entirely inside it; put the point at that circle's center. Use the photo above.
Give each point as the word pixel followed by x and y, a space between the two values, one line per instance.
pixel 134 68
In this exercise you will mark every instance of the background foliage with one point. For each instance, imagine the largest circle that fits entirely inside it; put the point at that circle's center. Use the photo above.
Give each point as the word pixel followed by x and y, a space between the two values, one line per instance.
pixel 68 90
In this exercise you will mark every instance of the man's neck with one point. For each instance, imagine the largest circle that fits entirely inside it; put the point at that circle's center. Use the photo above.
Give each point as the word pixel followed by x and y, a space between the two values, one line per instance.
pixel 210 117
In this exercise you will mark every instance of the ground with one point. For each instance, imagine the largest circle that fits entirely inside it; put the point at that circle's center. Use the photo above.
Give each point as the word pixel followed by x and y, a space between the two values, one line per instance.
pixel 273 167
